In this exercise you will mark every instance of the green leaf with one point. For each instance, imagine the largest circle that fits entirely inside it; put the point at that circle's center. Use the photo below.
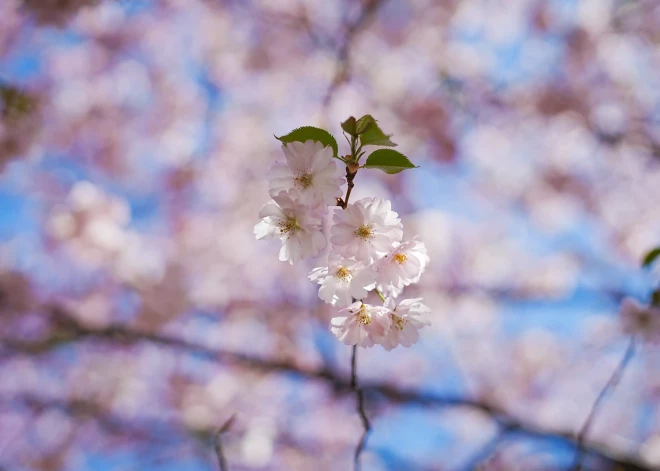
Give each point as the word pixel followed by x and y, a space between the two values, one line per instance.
pixel 651 256
pixel 363 122
pixel 371 134
pixel 306 133
pixel 389 161
pixel 350 126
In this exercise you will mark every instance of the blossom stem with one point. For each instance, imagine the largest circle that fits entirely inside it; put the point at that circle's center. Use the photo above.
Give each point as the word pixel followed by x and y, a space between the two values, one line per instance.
pixel 360 406
pixel 611 383
pixel 351 171
pixel 380 295
pixel 350 176
pixel 222 462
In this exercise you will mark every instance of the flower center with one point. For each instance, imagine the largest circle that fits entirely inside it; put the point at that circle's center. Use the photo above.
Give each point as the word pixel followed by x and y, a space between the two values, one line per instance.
pixel 398 322
pixel 343 274
pixel 364 232
pixel 288 226
pixel 304 180
pixel 363 317
pixel 400 258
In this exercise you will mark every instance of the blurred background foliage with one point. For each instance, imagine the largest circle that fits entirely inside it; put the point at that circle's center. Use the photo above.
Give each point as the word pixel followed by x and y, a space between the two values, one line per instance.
pixel 138 313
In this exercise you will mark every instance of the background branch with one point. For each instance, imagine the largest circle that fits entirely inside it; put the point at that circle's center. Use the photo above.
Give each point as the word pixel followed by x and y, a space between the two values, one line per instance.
pixel 222 462
pixel 360 407
pixel 70 332
pixel 611 383
pixel 343 64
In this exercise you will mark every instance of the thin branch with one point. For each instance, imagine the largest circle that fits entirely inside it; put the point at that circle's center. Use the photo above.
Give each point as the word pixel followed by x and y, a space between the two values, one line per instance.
pixel 222 462
pixel 351 172
pixel 486 450
pixel 349 178
pixel 360 408
pixel 611 383
pixel 118 334
pixel 342 69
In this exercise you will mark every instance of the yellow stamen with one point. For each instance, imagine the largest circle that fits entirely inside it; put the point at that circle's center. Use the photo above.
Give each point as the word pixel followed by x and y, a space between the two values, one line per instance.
pixel 344 274
pixel 363 317
pixel 288 226
pixel 304 180
pixel 400 258
pixel 398 322
pixel 363 232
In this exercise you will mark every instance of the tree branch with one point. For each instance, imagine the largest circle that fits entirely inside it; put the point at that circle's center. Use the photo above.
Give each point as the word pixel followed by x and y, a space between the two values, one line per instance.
pixel 118 334
pixel 486 450
pixel 611 383
pixel 342 70
pixel 360 408
pixel 222 462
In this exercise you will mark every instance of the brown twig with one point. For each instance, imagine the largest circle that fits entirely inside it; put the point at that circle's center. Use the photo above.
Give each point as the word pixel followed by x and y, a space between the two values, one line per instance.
pixel 222 462
pixel 124 335
pixel 342 70
pixel 611 383
pixel 350 176
pixel 487 449
pixel 360 407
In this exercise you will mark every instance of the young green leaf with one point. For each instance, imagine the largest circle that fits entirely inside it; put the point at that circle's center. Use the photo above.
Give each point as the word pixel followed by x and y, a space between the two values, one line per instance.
pixel 371 134
pixel 363 123
pixel 389 161
pixel 306 133
pixel 350 126
pixel 651 256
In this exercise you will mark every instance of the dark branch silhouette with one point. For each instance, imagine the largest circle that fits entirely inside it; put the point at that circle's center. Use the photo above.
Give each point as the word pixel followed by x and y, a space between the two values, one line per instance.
pixel 217 442
pixel 486 450
pixel 342 70
pixel 360 407
pixel 71 331
pixel 611 383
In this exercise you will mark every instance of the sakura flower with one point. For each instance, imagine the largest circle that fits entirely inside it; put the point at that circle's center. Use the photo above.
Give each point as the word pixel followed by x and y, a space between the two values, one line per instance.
pixel 361 324
pixel 389 290
pixel 637 319
pixel 311 171
pixel 297 225
pixel 402 265
pixel 366 230
pixel 407 318
pixel 342 280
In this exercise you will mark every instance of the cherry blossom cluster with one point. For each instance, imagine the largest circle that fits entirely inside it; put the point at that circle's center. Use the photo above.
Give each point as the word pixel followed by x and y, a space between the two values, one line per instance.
pixel 365 247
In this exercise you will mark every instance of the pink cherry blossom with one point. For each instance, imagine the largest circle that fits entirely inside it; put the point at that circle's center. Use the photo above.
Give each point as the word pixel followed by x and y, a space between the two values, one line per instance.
pixel 297 225
pixel 310 170
pixel 366 230
pixel 408 317
pixel 361 324
pixel 402 265
pixel 342 280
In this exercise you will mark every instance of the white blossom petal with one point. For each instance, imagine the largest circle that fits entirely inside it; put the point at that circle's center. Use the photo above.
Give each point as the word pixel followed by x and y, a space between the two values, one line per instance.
pixel 366 230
